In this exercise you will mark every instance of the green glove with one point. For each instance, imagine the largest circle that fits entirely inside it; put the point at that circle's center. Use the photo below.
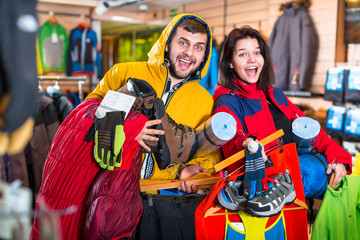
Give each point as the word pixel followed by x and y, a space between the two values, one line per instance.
pixel 109 139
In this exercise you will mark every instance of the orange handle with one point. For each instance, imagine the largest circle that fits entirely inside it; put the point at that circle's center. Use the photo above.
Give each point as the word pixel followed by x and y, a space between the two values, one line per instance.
pixel 237 156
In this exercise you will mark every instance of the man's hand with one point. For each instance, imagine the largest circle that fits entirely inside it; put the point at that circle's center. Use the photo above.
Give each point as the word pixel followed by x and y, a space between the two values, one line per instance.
pixel 148 134
pixel 340 172
pixel 187 172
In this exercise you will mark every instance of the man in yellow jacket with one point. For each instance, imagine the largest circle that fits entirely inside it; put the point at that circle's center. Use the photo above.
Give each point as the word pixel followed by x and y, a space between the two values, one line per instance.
pixel 177 62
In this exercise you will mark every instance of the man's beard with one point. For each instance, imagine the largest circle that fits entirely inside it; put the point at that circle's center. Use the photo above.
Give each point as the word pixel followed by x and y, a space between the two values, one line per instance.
pixel 175 74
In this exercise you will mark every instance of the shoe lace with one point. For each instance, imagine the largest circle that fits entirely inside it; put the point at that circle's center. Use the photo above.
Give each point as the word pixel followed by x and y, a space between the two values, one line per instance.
pixel 269 179
pixel 278 189
pixel 272 192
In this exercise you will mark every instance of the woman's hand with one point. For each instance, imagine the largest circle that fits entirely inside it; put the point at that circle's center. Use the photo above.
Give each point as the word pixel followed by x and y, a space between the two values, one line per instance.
pixel 187 172
pixel 148 134
pixel 340 172
pixel 246 144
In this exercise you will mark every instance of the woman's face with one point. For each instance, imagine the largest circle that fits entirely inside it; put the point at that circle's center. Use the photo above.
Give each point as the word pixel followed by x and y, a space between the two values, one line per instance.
pixel 247 60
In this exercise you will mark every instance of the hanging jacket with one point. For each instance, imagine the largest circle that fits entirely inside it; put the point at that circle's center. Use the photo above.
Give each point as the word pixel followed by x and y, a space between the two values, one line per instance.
pixel 15 168
pixel 61 102
pixel 3 176
pixel 189 105
pixel 28 164
pixel 294 45
pixel 53 47
pixel 339 215
pixel 40 70
pixel 249 107
pixel 211 78
pixel 46 125
pixel 83 53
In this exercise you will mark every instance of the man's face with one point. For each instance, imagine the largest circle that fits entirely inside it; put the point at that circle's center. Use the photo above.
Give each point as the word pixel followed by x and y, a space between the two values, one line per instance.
pixel 186 51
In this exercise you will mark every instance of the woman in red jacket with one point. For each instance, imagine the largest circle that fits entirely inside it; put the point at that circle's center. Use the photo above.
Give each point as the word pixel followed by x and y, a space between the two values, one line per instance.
pixel 244 90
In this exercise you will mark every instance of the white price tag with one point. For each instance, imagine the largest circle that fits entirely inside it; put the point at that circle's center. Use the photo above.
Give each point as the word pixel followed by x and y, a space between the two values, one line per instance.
pixel 54 38
pixel 115 101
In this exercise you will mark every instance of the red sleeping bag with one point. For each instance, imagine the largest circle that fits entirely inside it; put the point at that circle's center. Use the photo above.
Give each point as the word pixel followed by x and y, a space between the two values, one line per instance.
pixel 71 172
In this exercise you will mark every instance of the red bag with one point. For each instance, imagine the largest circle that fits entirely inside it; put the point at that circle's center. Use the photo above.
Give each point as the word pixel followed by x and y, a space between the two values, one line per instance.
pixel 114 203
pixel 211 227
pixel 217 226
pixel 283 158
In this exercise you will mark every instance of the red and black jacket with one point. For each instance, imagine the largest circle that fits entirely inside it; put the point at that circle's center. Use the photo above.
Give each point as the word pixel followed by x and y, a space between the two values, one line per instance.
pixel 249 106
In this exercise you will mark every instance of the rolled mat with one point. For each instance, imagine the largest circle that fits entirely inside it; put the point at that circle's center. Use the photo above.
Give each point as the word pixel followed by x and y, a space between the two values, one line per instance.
pixel 305 132
pixel 215 132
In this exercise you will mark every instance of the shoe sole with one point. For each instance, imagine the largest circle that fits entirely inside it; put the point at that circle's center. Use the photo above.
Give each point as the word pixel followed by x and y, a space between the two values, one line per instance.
pixel 288 201
pixel 162 152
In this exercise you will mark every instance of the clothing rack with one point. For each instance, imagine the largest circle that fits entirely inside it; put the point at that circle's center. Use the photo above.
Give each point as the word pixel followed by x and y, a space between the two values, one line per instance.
pixel 53 14
pixel 79 79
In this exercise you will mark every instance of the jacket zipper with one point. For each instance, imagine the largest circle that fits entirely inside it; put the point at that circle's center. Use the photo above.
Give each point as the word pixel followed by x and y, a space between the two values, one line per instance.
pixel 171 92
pixel 166 82
pixel 169 97
pixel 83 46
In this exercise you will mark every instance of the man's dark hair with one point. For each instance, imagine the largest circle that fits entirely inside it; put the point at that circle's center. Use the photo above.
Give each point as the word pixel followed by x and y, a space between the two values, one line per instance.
pixel 226 74
pixel 193 26
pixel 190 25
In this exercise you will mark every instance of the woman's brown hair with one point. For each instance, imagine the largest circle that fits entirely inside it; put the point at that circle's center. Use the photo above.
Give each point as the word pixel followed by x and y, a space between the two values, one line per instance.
pixel 226 74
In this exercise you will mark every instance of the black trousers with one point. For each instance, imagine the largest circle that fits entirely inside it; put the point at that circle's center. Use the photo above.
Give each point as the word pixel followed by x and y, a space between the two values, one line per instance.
pixel 168 217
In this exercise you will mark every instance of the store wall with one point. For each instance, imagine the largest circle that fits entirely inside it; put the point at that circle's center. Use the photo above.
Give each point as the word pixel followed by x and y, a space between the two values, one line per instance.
pixel 262 14
pixel 224 15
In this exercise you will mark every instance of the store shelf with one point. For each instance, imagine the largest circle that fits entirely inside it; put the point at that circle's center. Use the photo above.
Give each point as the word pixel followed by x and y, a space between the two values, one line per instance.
pixel 302 94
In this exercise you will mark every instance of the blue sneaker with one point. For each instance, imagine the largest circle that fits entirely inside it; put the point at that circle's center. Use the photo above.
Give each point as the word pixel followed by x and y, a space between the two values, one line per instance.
pixel 271 202
pixel 229 197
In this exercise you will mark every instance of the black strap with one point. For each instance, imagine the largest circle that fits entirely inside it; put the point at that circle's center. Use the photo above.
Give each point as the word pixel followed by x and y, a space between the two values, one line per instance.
pixel 311 207
pixel 90 134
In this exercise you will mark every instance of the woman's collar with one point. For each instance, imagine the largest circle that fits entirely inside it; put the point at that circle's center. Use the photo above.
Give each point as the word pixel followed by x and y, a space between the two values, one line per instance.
pixel 246 87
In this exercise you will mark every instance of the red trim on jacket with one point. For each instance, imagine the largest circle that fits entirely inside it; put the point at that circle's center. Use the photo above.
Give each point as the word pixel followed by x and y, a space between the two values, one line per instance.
pixel 249 99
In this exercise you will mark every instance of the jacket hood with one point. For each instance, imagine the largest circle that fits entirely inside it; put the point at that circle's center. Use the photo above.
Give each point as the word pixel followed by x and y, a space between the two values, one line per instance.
pixel 239 89
pixel 293 11
pixel 157 52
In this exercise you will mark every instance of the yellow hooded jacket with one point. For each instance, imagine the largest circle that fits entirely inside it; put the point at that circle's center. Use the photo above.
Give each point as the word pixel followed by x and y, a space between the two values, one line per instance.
pixel 190 104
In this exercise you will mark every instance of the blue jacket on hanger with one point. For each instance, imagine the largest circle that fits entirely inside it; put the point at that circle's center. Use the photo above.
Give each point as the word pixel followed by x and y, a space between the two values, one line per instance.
pixel 211 77
pixel 83 53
